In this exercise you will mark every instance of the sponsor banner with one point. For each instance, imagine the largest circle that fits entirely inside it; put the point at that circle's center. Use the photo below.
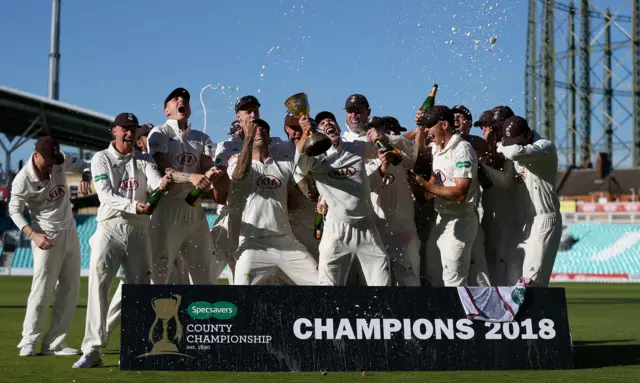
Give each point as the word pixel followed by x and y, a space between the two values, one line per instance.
pixel 568 206
pixel 609 207
pixel 291 328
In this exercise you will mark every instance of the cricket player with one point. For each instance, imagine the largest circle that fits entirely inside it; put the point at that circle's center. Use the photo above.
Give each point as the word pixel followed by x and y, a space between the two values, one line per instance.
pixel 41 186
pixel 349 228
pixel 303 194
pixel 393 206
pixel 226 228
pixel 178 229
pixel 455 188
pixel 122 177
pixel 266 243
pixel 536 161
pixel 498 204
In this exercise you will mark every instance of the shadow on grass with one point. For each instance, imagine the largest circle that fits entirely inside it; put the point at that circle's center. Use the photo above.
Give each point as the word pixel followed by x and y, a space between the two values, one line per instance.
pixel 595 354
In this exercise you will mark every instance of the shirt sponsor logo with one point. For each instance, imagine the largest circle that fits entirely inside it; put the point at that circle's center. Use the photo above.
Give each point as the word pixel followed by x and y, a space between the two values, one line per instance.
pixel 463 164
pixel 129 184
pixel 57 192
pixel 439 176
pixel 343 173
pixel 186 159
pixel 268 182
pixel 100 177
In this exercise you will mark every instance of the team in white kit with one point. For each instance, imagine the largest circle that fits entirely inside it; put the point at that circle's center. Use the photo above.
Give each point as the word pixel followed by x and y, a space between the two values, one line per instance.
pixel 267 190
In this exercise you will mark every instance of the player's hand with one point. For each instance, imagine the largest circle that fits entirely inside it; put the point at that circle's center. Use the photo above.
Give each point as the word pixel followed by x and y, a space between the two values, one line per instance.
pixel 166 181
pixel 383 156
pixel 200 180
pixel 43 241
pixel 249 128
pixel 322 206
pixel 142 208
pixel 84 188
pixel 306 123
pixel 419 116
pixel 215 173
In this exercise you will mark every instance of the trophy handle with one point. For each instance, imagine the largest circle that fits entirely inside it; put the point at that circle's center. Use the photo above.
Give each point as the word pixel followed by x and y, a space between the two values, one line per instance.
pixel 178 334
pixel 153 326
pixel 153 303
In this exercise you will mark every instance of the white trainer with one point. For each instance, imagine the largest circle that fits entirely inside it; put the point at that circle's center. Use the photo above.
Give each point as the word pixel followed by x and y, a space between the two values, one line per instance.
pixel 92 359
pixel 28 350
pixel 60 351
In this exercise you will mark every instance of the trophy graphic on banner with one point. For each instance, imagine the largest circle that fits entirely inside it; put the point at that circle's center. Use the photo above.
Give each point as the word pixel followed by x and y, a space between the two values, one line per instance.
pixel 317 142
pixel 165 310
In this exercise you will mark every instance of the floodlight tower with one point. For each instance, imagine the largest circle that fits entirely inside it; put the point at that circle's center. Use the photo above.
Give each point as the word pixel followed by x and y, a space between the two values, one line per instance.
pixel 54 55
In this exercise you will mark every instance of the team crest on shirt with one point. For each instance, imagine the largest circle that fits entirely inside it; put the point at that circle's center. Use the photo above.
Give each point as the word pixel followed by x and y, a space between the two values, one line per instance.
pixel 439 176
pixel 388 179
pixel 129 184
pixel 56 193
pixel 268 182
pixel 186 159
pixel 343 173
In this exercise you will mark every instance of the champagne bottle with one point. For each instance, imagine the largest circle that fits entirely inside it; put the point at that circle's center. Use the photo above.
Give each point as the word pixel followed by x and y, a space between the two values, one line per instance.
pixel 194 197
pixel 318 226
pixel 154 198
pixel 395 157
pixel 431 100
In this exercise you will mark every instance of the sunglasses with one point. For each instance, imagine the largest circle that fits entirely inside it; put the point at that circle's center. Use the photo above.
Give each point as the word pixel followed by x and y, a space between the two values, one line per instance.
pixel 355 110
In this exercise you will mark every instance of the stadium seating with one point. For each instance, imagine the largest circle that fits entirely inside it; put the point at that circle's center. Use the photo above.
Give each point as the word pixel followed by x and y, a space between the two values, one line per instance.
pixel 601 249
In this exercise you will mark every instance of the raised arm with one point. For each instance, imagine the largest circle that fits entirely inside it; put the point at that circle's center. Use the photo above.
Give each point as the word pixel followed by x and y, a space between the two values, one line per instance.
pixel 243 165
pixel 539 150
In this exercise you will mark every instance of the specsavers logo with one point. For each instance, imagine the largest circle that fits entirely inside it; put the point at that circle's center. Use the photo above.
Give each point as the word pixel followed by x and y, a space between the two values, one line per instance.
pixel 218 310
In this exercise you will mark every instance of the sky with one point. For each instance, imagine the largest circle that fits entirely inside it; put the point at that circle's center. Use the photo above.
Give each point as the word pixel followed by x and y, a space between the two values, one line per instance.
pixel 126 56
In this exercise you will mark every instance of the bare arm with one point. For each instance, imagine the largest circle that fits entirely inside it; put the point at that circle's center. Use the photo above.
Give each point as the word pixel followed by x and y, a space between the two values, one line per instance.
pixel 244 159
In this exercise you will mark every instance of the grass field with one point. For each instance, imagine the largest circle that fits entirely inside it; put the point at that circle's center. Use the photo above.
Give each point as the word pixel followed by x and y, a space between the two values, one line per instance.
pixel 604 319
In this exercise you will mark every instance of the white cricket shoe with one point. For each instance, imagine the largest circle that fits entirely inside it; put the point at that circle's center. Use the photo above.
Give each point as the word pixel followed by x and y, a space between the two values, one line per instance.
pixel 60 351
pixel 92 359
pixel 28 350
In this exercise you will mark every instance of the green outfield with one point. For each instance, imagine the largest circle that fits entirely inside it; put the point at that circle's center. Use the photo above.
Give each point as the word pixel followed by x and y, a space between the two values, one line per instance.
pixel 605 324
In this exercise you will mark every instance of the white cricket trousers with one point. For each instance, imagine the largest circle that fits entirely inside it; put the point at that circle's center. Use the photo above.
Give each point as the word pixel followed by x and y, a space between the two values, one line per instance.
pixel 59 264
pixel 180 230
pixel 403 249
pixel 116 242
pixel 541 248
pixel 449 248
pixel 262 257
pixel 478 269
pixel 224 236
pixel 497 239
pixel 341 242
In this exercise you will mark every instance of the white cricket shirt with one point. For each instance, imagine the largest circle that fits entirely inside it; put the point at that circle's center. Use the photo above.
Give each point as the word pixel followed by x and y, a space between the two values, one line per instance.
pixel 457 160
pixel 264 194
pixel 537 165
pixel 48 200
pixel 341 178
pixel 183 150
pixel 121 181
